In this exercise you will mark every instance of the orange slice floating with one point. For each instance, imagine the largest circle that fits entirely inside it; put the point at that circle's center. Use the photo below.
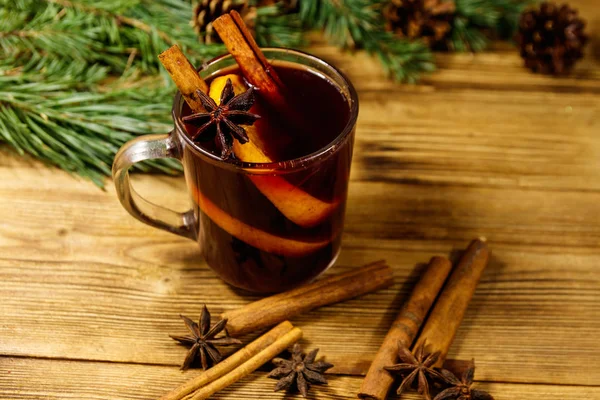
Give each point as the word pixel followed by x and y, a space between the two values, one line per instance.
pixel 255 237
pixel 297 205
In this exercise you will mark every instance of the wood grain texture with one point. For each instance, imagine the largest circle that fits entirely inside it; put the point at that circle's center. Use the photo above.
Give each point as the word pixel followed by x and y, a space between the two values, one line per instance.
pixel 111 289
pixel 88 295
pixel 24 379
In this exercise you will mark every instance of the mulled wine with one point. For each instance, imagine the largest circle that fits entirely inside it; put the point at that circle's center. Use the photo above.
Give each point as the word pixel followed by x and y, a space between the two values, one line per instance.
pixel 267 224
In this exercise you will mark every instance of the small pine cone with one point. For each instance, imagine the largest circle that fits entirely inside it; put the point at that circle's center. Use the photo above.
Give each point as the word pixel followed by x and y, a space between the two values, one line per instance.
pixel 428 20
pixel 551 38
pixel 206 11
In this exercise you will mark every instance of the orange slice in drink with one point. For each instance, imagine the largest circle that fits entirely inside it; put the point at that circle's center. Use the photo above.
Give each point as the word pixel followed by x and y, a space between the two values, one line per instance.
pixel 297 205
pixel 256 237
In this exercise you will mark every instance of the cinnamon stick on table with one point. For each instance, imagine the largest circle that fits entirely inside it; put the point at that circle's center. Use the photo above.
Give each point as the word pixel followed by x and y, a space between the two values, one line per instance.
pixel 332 289
pixel 449 310
pixel 249 366
pixel 230 363
pixel 404 329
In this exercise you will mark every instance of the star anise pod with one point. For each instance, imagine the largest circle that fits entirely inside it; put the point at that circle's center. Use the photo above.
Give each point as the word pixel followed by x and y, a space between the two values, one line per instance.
pixel 203 340
pixel 418 366
pixel 461 388
pixel 300 371
pixel 224 120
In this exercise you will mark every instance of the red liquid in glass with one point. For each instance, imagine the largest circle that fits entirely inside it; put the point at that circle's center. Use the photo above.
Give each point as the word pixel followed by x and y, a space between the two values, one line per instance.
pixel 248 241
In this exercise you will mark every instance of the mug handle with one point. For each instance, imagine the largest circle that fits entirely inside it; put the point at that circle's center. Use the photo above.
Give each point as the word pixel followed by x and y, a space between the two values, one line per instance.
pixel 150 147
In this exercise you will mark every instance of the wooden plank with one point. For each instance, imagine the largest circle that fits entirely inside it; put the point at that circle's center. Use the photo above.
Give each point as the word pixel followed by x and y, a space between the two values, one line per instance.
pixel 534 317
pixel 558 221
pixel 513 139
pixel 58 379
pixel 500 70
pixel 115 279
pixel 478 120
pixel 77 265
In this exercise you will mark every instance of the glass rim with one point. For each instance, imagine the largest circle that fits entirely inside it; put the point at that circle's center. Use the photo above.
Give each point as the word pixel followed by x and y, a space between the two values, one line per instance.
pixel 285 165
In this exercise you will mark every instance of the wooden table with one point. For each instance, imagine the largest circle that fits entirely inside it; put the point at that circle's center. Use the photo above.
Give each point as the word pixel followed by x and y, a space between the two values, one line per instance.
pixel 88 295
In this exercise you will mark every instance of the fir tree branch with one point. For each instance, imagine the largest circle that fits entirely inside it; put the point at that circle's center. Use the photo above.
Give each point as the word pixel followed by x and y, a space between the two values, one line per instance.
pixel 122 34
pixel 136 23
pixel 357 24
pixel 510 12
pixel 476 20
pixel 275 28
pixel 79 131
pixel 53 103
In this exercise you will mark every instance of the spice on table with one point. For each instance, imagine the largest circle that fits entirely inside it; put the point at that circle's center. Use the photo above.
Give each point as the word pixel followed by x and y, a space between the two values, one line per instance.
pixel 230 363
pixel 332 289
pixel 223 120
pixel 300 372
pixel 249 366
pixel 418 366
pixel 360 365
pixel 203 340
pixel 405 327
pixel 460 389
pixel 450 308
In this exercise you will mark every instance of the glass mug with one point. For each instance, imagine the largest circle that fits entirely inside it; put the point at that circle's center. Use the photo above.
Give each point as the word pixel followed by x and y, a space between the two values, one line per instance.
pixel 241 212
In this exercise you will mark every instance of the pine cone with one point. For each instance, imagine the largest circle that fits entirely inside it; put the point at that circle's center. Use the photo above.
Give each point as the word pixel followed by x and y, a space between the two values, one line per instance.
pixel 428 20
pixel 206 11
pixel 551 38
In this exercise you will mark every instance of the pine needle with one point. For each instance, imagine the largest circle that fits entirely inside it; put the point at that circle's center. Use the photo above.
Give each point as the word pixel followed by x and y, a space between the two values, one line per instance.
pixel 54 101
pixel 475 20
pixel 79 131
pixel 357 24
pixel 274 28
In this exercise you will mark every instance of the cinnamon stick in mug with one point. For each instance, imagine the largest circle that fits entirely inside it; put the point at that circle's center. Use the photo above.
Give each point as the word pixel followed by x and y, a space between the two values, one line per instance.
pixel 184 75
pixel 256 68
pixel 449 310
pixel 405 328
pixel 239 42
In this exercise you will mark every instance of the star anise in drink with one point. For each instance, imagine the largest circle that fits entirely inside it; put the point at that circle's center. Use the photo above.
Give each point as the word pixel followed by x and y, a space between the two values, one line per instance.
pixel 300 371
pixel 203 340
pixel 418 366
pixel 460 389
pixel 224 120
